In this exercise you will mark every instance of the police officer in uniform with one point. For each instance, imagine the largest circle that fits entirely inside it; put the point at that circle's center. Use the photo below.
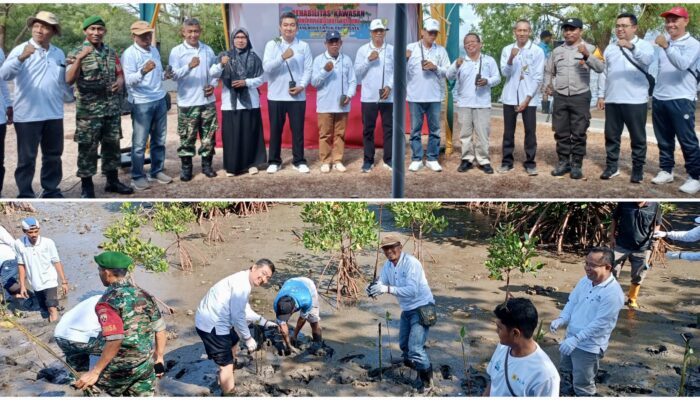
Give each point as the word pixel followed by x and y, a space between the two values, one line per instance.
pixel 129 319
pixel 96 70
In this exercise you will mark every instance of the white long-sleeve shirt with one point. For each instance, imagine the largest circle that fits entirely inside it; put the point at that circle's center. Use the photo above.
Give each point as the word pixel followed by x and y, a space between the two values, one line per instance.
pixel 528 63
pixel 692 235
pixel 80 323
pixel 252 85
pixel 331 85
pixel 407 281
pixel 466 93
pixel 226 306
pixel 191 82
pixel 5 99
pixel 592 312
pixel 147 88
pixel 621 82
pixel 7 246
pixel 426 86
pixel 277 74
pixel 369 74
pixel 40 82
pixel 674 81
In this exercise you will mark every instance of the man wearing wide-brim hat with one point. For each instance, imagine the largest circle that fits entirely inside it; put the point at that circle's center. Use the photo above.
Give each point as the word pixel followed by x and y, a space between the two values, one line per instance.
pixel 402 276
pixel 97 72
pixel 38 70
pixel 130 319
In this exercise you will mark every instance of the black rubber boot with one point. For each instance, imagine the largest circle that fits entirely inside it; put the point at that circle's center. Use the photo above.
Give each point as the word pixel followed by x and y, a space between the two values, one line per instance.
pixel 206 167
pixel 88 188
pixel 114 186
pixel 424 379
pixel 186 169
pixel 576 170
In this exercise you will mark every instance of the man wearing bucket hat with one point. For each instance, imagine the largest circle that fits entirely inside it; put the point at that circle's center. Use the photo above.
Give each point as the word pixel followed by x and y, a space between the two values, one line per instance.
pixel 426 69
pixel 38 70
pixel 374 68
pixel 402 276
pixel 567 76
pixel 144 75
pixel 95 69
pixel 673 103
pixel 130 320
pixel 692 235
pixel 38 262
pixel 298 294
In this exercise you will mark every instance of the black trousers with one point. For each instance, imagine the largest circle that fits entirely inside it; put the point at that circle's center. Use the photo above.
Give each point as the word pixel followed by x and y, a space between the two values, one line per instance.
pixel 370 111
pixel 30 135
pixel 3 130
pixel 570 119
pixel 510 117
pixel 278 110
pixel 634 116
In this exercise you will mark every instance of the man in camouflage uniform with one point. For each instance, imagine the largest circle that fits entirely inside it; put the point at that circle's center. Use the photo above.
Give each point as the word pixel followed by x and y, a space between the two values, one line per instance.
pixel 190 62
pixel 96 69
pixel 129 319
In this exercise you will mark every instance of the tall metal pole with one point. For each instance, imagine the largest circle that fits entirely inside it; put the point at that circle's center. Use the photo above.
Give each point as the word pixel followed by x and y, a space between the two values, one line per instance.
pixel 399 136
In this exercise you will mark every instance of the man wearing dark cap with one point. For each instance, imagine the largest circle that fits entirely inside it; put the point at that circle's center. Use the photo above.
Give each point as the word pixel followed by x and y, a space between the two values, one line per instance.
pixel 567 76
pixel 130 319
pixel 333 75
pixel 38 70
pixel 298 294
pixel 38 262
pixel 673 104
pixel 95 69
pixel 402 275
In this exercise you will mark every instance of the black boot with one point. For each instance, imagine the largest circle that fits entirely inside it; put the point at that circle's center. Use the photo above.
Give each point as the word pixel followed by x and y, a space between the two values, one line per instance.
pixel 562 168
pixel 186 169
pixel 576 169
pixel 114 186
pixel 206 167
pixel 88 188
pixel 424 379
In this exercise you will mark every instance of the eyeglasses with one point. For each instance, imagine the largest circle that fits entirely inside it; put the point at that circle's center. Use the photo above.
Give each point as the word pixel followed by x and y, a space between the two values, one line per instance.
pixel 623 26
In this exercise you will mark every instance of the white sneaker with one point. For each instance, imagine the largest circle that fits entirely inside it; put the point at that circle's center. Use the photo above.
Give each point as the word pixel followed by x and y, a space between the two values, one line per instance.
pixel 228 174
pixel 272 168
pixel 325 168
pixel 434 165
pixel 415 166
pixel 252 170
pixel 691 186
pixel 662 177
pixel 303 168
pixel 386 166
pixel 340 167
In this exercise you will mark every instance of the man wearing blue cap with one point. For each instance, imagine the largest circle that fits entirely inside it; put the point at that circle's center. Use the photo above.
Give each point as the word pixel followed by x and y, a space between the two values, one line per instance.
pixel 333 76
pixel 38 262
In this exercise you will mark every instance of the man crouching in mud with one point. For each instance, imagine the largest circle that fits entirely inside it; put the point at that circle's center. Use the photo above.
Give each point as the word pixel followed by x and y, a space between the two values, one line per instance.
pixel 402 275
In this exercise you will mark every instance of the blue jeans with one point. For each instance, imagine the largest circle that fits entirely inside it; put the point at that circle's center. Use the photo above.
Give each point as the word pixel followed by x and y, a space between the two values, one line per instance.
pixel 148 119
pixel 432 111
pixel 676 119
pixel 412 336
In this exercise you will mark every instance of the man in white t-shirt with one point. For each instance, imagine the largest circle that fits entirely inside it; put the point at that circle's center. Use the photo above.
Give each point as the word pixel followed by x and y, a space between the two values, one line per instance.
pixel 8 264
pixel 78 334
pixel 519 367
pixel 223 316
pixel 38 262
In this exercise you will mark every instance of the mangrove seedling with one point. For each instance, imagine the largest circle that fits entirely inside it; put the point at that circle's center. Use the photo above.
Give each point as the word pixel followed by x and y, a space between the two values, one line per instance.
pixel 465 358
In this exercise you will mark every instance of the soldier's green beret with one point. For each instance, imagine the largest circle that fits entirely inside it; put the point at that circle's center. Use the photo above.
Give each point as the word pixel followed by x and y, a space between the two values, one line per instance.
pixel 113 260
pixel 93 20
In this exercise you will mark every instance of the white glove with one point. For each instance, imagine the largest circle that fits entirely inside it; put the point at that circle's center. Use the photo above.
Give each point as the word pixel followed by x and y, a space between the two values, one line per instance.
pixel 568 346
pixel 378 289
pixel 251 344
pixel 673 255
pixel 660 234
pixel 556 324
pixel 269 324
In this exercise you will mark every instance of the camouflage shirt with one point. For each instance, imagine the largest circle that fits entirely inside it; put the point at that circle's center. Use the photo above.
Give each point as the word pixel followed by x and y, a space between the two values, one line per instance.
pixel 128 313
pixel 98 71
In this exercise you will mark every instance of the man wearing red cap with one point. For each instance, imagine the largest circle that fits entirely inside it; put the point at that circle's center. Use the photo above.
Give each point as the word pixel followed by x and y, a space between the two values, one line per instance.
pixel 673 105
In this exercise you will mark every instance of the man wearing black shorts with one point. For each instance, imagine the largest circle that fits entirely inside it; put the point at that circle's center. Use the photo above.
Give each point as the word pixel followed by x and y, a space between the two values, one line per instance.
pixel 223 315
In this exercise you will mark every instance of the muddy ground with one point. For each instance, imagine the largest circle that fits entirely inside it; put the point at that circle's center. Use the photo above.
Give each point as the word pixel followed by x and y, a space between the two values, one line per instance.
pixel 289 184
pixel 644 357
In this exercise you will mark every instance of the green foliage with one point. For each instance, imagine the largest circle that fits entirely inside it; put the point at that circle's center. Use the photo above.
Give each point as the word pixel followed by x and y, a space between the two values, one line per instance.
pixel 338 226
pixel 508 252
pixel 418 216
pixel 206 208
pixel 540 332
pixel 124 236
pixel 172 218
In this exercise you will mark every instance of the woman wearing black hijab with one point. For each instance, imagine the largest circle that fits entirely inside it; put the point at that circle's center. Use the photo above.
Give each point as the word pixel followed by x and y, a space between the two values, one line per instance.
pixel 242 129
